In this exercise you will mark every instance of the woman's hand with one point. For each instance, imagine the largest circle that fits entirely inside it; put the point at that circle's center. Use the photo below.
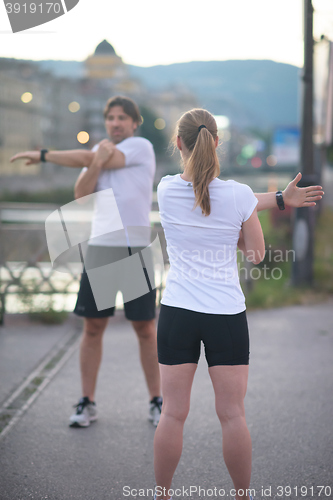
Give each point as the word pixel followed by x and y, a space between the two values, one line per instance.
pixel 301 197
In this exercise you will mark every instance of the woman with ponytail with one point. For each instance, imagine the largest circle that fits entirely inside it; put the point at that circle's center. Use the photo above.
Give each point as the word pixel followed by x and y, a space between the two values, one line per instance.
pixel 204 219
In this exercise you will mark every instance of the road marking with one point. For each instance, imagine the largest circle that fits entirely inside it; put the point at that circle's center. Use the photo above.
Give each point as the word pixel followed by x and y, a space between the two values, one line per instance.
pixel 19 401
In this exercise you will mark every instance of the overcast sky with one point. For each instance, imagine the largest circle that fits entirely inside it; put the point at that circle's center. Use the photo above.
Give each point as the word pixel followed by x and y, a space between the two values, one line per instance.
pixel 149 32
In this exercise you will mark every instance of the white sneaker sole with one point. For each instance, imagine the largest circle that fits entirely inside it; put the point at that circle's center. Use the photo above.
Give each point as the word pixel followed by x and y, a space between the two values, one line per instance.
pixel 153 421
pixel 79 424
pixel 84 423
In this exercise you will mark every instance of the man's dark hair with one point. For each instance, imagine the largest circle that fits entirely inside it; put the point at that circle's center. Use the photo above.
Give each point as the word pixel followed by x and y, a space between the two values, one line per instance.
pixel 128 105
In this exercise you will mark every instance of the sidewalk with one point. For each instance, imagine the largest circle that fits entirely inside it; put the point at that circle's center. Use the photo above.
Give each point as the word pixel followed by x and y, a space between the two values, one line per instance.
pixel 289 412
pixel 23 346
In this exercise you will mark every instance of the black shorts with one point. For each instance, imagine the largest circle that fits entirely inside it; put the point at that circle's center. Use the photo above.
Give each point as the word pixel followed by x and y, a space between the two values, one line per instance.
pixel 180 332
pixel 140 309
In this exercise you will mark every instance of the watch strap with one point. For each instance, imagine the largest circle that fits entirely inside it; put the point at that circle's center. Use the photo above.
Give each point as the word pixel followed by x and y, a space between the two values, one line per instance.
pixel 42 154
pixel 279 200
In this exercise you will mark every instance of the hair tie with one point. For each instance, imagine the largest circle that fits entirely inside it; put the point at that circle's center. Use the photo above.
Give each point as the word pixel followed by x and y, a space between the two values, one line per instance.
pixel 201 126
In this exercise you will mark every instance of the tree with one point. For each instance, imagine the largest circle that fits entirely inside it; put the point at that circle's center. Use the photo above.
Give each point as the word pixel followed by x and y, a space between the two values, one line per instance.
pixel 148 130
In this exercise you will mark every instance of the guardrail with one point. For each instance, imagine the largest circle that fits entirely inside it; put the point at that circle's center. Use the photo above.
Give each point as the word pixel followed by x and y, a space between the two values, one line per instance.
pixel 25 267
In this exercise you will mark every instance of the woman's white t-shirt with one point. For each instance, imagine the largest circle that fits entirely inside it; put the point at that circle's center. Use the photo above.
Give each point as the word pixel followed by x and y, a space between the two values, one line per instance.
pixel 203 274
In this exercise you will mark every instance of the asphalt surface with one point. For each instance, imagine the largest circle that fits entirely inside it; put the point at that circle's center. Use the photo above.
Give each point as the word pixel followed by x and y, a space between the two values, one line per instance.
pixel 289 408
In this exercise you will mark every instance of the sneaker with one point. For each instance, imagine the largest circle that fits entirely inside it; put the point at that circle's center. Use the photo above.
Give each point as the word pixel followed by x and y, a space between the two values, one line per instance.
pixel 86 412
pixel 155 408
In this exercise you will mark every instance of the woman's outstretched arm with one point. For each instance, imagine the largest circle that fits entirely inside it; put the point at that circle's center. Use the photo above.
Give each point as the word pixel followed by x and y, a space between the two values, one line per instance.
pixel 293 196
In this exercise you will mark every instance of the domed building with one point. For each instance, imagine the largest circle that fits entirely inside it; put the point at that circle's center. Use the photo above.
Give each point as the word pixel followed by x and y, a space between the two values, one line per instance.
pixel 104 63
pixel 107 67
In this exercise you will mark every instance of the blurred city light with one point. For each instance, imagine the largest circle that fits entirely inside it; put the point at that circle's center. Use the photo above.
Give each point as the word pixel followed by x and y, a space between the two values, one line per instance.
pixel 271 160
pixel 256 162
pixel 224 135
pixel 248 151
pixel 26 97
pixel 73 106
pixel 222 121
pixel 83 137
pixel 241 160
pixel 159 123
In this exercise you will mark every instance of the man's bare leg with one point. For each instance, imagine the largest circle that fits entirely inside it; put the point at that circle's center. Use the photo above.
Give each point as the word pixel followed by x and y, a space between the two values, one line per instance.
pixel 147 337
pixel 91 354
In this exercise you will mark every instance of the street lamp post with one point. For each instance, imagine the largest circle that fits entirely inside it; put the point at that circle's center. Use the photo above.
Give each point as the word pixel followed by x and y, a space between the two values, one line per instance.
pixel 304 220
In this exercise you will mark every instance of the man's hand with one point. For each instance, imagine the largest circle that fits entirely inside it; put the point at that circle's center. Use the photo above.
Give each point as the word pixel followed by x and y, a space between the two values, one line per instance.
pixel 301 197
pixel 32 157
pixel 105 151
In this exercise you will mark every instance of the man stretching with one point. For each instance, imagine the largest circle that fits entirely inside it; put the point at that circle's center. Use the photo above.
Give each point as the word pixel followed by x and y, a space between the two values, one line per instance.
pixel 127 165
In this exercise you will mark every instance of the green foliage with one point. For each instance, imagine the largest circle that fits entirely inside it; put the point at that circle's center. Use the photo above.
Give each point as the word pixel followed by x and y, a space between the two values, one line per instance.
pixel 323 265
pixel 41 306
pixel 57 196
pixel 148 130
pixel 49 316
pixel 265 293
pixel 274 292
pixel 330 155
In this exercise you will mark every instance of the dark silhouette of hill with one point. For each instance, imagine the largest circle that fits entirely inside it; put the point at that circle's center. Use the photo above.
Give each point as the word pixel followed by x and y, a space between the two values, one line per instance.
pixel 252 93
pixel 259 93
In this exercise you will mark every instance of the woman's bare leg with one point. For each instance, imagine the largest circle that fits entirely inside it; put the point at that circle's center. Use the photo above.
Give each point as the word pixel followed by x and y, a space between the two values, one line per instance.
pixel 230 383
pixel 168 443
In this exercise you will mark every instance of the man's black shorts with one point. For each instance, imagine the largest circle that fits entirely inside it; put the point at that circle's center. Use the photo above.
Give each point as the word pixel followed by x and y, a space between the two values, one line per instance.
pixel 181 331
pixel 140 309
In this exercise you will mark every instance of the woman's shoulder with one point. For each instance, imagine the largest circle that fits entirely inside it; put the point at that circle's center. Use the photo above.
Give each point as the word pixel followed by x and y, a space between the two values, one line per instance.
pixel 166 180
pixel 232 184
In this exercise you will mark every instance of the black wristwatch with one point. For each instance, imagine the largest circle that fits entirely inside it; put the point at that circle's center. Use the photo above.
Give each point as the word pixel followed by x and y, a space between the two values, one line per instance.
pixel 279 200
pixel 42 154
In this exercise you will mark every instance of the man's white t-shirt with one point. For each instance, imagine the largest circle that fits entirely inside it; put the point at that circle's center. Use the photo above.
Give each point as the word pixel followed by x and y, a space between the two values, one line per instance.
pixel 202 250
pixel 132 187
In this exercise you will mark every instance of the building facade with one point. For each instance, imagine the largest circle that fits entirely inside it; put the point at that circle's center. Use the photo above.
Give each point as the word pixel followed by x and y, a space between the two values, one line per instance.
pixel 39 108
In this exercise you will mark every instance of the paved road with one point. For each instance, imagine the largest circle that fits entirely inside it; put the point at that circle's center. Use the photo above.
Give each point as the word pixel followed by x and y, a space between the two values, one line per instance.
pixel 289 412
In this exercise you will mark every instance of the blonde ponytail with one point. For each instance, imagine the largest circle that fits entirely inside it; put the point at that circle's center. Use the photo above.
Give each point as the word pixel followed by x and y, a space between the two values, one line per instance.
pixel 198 130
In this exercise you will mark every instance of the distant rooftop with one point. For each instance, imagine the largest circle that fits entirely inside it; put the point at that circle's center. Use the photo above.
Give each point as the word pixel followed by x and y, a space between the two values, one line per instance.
pixel 104 48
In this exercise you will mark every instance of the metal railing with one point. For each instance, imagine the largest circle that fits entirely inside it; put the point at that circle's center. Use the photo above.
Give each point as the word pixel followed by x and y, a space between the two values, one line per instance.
pixel 25 267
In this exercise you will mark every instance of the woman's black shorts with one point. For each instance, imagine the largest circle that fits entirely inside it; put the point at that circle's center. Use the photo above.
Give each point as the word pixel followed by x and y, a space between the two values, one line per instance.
pixel 180 332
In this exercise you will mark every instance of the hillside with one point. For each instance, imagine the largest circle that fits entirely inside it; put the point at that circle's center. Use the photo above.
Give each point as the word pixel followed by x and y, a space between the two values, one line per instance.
pixel 250 92
pixel 257 93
